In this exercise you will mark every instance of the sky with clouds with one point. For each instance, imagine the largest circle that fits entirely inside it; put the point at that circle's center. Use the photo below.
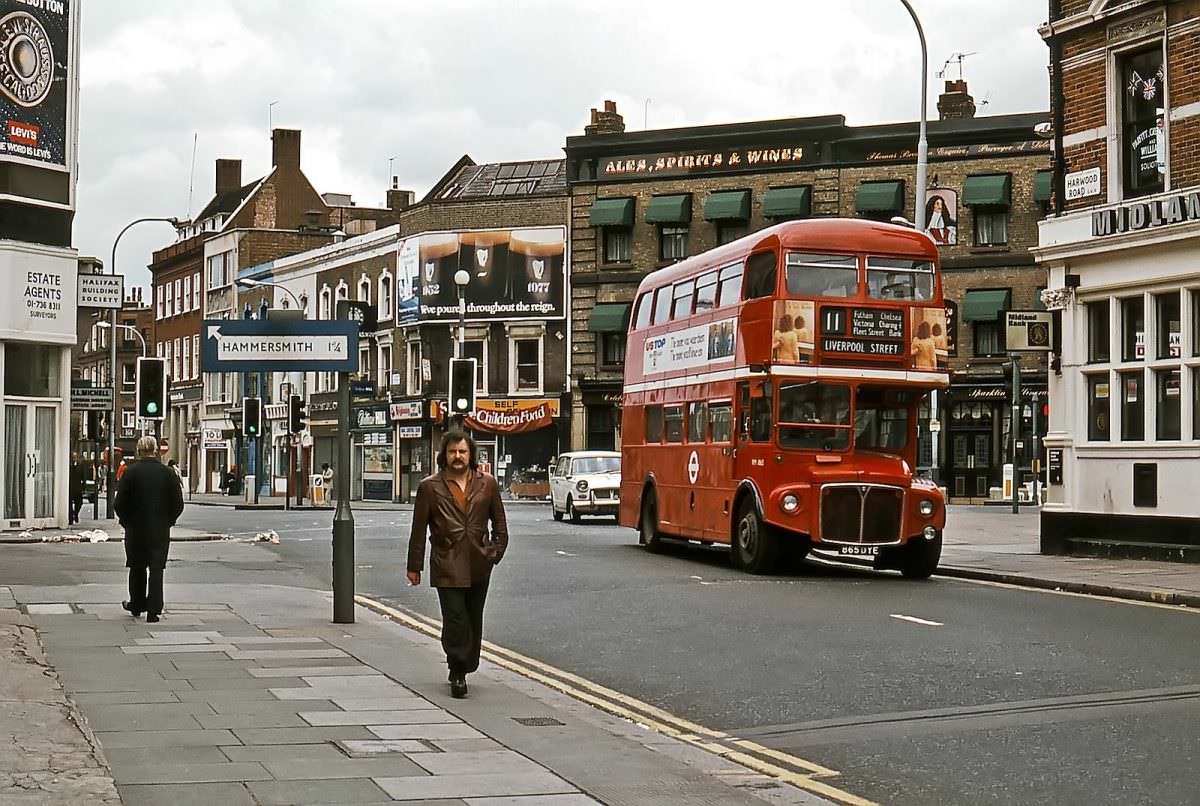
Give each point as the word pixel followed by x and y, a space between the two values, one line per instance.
pixel 417 85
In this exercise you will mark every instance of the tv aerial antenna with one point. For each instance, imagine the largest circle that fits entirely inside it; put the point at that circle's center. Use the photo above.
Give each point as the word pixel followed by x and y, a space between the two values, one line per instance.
pixel 956 59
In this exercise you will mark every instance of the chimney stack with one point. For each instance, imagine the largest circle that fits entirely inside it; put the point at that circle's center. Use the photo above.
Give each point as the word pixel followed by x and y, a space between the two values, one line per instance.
pixel 607 122
pixel 956 102
pixel 285 148
pixel 398 199
pixel 229 175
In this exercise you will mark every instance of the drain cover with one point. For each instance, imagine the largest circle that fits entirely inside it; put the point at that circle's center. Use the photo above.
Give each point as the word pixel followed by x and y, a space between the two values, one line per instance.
pixel 537 721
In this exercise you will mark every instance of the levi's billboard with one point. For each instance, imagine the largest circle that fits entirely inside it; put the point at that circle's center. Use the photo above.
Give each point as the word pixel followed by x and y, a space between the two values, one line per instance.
pixel 511 274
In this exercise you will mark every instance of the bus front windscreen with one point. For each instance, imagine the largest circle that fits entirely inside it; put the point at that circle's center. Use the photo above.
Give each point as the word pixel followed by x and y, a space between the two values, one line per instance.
pixel 900 279
pixel 881 420
pixel 821 275
pixel 814 415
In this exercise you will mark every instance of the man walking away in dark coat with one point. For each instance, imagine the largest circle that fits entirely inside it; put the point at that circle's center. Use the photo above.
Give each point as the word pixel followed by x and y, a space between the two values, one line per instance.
pixel 455 506
pixel 75 485
pixel 149 501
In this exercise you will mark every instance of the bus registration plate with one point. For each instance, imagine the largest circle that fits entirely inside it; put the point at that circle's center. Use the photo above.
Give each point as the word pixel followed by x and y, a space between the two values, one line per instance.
pixel 858 551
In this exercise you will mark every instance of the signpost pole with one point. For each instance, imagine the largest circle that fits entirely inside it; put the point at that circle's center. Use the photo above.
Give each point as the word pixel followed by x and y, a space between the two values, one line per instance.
pixel 1014 430
pixel 343 518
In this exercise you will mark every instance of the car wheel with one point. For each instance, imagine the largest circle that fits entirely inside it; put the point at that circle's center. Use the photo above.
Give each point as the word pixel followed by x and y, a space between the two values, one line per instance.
pixel 648 528
pixel 755 545
pixel 572 514
pixel 920 558
pixel 554 511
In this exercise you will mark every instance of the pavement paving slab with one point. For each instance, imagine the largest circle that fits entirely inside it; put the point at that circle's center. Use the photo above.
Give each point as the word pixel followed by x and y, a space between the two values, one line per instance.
pixel 225 794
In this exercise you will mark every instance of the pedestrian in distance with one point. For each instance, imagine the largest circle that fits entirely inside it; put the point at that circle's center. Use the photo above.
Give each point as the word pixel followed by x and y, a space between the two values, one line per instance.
pixel 174 465
pixel 453 509
pixel 75 483
pixel 327 482
pixel 149 502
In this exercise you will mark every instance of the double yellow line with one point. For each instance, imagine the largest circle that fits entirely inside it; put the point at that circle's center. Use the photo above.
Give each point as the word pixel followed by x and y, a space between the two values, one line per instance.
pixel 781 766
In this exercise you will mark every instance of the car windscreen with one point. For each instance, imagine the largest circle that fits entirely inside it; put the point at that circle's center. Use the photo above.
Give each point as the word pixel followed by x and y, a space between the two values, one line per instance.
pixel 596 464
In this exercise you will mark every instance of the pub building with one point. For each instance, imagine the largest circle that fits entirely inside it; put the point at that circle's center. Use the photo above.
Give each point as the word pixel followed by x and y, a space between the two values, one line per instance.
pixel 644 200
pixel 1122 250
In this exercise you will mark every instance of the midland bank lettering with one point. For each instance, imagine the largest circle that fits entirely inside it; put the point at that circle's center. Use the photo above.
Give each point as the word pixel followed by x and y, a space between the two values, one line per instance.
pixel 1143 215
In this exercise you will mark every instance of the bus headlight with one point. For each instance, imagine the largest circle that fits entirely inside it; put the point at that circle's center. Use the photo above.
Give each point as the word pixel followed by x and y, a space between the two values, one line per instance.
pixel 925 508
pixel 582 486
pixel 789 502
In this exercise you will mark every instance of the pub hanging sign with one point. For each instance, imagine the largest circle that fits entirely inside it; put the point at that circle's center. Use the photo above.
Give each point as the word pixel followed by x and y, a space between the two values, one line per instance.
pixel 713 161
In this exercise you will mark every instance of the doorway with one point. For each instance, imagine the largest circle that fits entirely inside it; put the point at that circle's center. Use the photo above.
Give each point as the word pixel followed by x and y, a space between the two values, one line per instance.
pixel 30 455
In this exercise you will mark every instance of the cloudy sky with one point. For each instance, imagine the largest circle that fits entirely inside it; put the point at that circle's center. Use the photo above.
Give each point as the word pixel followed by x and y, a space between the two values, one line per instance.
pixel 421 83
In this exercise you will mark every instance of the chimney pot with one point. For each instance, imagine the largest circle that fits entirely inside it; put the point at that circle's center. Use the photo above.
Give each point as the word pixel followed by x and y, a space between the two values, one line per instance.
pixel 956 102
pixel 607 122
pixel 229 175
pixel 285 148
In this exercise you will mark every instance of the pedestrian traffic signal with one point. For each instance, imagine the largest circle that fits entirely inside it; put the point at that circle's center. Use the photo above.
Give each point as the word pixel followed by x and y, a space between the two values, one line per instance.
pixel 95 426
pixel 151 388
pixel 251 417
pixel 296 414
pixel 462 385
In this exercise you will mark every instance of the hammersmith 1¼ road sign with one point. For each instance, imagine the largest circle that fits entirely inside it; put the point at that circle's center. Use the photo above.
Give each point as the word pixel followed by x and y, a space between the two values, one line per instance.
pixel 251 345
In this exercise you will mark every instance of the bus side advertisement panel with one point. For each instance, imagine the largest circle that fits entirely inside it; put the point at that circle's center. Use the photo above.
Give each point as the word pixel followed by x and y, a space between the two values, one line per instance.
pixel 690 348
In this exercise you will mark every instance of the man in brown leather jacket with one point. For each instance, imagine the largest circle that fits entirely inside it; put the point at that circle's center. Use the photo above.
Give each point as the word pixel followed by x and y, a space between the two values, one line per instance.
pixel 454 506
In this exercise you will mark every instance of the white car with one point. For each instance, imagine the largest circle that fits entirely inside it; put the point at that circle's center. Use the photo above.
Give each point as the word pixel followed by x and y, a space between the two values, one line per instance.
pixel 585 483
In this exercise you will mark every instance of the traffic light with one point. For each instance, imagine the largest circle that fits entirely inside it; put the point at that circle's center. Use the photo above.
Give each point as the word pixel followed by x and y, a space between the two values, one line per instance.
pixel 251 417
pixel 462 385
pixel 296 414
pixel 95 426
pixel 151 388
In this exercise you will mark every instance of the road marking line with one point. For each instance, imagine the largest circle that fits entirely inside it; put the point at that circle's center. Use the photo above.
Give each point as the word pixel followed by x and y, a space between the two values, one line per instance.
pixel 1093 596
pixel 916 620
pixel 642 713
pixel 563 553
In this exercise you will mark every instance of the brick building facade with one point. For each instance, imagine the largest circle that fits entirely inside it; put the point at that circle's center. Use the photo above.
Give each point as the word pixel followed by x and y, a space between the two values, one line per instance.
pixel 1122 250
pixel 642 200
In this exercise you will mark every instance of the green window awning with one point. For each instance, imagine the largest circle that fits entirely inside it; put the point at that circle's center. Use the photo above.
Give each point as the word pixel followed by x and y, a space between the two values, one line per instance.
pixel 1041 186
pixel 611 213
pixel 788 202
pixel 880 197
pixel 994 189
pixel 985 305
pixel 676 209
pixel 609 317
pixel 727 205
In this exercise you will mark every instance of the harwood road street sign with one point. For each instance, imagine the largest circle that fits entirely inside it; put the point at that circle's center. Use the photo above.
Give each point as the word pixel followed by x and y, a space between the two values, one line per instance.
pixel 251 345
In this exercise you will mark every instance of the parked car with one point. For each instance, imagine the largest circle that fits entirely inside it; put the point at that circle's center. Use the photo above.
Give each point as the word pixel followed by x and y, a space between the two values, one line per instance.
pixel 585 483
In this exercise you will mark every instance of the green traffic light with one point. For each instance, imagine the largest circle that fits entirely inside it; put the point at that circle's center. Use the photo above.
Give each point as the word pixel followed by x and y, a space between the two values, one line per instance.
pixel 152 407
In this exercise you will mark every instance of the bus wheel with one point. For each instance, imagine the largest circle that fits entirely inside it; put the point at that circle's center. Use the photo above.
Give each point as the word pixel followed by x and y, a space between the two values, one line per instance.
pixel 648 529
pixel 921 557
pixel 572 513
pixel 755 546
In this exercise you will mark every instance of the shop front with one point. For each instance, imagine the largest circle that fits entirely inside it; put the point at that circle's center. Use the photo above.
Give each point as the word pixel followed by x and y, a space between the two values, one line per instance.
pixel 373 456
pixel 183 403
pixel 975 422
pixel 217 456
pixel 602 406
pixel 517 438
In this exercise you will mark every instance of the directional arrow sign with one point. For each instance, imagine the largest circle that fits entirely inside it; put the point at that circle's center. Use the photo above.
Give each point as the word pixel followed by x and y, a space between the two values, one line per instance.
pixel 249 345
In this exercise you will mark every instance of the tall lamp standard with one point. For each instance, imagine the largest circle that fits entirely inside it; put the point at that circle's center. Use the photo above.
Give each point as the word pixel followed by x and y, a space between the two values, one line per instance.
pixel 922 144
pixel 461 278
pixel 112 359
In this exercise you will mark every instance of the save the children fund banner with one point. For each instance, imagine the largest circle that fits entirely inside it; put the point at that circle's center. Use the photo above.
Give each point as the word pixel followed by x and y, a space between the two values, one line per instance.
pixel 511 274
pixel 37 81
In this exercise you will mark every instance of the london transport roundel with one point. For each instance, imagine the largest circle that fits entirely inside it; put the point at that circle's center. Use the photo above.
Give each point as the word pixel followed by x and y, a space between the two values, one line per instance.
pixel 693 467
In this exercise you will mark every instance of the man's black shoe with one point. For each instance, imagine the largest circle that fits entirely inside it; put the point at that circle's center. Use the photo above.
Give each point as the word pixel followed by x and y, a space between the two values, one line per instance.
pixel 458 687
pixel 151 618
pixel 130 609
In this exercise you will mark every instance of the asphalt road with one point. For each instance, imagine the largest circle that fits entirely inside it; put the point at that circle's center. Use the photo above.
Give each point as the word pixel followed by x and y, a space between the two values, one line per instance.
pixel 1005 696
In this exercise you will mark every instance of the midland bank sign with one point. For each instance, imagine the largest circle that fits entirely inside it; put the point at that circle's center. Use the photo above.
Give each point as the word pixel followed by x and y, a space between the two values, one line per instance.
pixel 1146 215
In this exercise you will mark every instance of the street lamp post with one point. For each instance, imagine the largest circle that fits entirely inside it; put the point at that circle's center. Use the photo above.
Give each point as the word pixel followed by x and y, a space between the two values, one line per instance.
pixel 132 329
pixel 461 278
pixel 922 144
pixel 112 358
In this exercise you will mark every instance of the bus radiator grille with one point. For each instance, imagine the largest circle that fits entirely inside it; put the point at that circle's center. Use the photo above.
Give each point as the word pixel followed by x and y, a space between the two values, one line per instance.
pixel 861 513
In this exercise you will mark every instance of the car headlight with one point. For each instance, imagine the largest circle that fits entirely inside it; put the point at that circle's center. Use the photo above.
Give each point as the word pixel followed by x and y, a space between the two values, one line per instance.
pixel 582 485
pixel 925 507
pixel 789 502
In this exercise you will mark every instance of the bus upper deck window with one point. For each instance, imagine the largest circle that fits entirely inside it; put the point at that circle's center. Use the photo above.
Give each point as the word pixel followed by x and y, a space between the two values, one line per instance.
pixel 642 318
pixel 662 305
pixel 729 290
pixel 706 292
pixel 899 278
pixel 821 275
pixel 761 271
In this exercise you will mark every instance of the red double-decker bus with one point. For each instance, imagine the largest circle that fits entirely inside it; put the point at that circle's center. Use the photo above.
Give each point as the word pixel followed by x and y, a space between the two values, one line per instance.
pixel 771 394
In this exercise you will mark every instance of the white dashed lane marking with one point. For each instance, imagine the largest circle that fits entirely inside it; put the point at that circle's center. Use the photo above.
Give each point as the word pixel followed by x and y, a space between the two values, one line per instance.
pixel 915 620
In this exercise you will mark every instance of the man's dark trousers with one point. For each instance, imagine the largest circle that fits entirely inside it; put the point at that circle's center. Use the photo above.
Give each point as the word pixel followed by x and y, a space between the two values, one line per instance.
pixel 146 589
pixel 462 626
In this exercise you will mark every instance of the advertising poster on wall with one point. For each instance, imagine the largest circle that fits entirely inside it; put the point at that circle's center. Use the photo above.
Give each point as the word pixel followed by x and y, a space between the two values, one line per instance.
pixel 930 343
pixel 941 216
pixel 512 274
pixel 37 82
pixel 408 264
pixel 792 339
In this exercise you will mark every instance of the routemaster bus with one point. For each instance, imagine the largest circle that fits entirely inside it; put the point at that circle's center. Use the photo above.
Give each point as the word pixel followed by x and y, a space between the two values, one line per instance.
pixel 771 394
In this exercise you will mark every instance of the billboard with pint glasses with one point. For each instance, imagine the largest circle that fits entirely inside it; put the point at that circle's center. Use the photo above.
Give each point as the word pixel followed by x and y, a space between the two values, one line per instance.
pixel 1029 331
pixel 511 274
